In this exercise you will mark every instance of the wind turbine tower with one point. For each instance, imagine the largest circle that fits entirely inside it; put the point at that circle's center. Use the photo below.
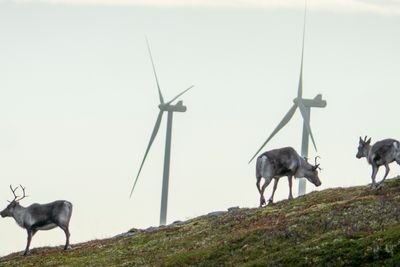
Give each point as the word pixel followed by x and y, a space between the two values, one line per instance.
pixel 170 109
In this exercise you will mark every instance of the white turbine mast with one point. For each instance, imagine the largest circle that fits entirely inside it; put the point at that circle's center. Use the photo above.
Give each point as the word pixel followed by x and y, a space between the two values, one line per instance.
pixel 170 109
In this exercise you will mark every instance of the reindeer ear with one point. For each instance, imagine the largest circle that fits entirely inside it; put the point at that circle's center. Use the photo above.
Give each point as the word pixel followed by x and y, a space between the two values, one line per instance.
pixel 316 167
pixel 369 141
pixel 360 140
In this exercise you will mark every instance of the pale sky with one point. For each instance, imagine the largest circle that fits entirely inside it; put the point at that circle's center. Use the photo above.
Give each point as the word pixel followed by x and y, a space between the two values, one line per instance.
pixel 388 7
pixel 78 102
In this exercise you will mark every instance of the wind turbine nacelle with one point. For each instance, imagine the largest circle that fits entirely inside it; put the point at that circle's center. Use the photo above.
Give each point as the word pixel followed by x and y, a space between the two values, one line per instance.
pixel 316 102
pixel 179 107
pixel 318 97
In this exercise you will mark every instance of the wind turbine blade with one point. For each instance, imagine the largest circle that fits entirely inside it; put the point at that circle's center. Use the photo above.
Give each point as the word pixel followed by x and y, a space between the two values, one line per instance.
pixel 176 97
pixel 306 123
pixel 283 122
pixel 300 89
pixel 155 73
pixel 153 136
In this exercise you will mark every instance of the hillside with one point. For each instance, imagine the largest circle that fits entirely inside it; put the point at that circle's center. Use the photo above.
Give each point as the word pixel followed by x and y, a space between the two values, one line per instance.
pixel 335 227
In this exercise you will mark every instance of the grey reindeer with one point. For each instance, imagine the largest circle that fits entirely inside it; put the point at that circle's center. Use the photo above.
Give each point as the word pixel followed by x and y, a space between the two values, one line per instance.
pixel 39 217
pixel 277 163
pixel 382 153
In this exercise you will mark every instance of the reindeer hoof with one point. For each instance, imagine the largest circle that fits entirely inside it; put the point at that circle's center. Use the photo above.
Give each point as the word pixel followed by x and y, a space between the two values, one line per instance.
pixel 270 202
pixel 379 186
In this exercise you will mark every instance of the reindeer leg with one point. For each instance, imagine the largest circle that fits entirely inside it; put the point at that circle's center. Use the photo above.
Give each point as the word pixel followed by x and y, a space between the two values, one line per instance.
pixel 258 184
pixel 271 200
pixel 266 183
pixel 67 235
pixel 380 185
pixel 28 243
pixel 290 178
pixel 373 176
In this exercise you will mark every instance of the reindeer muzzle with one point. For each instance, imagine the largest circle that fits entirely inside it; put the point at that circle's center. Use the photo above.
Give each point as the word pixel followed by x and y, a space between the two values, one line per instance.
pixel 318 183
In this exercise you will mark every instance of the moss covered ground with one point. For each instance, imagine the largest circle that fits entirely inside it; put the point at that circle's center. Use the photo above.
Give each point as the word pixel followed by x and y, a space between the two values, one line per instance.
pixel 357 226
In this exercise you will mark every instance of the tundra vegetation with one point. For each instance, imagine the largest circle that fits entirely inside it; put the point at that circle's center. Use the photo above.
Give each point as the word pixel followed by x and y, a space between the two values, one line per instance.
pixel 334 227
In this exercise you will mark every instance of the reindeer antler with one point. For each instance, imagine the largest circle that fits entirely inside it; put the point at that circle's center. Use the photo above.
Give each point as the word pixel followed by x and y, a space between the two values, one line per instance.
pixel 23 191
pixel 17 198
pixel 317 164
pixel 13 191
pixel 315 160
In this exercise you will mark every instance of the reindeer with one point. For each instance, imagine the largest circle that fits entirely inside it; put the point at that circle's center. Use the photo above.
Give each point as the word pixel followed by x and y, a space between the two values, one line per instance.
pixel 277 163
pixel 39 217
pixel 381 153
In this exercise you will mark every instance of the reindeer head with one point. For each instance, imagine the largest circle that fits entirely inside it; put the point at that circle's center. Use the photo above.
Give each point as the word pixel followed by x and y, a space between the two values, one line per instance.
pixel 312 175
pixel 363 147
pixel 9 210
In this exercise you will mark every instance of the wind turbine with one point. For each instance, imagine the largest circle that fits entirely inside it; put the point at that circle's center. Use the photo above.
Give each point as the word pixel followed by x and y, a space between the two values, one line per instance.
pixel 305 106
pixel 170 109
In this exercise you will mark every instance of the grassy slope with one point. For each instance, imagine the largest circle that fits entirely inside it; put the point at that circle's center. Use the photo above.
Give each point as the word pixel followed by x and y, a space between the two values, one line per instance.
pixel 334 227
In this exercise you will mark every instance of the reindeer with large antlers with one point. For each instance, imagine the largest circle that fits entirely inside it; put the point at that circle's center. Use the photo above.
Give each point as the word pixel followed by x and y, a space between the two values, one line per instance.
pixel 382 153
pixel 277 163
pixel 39 216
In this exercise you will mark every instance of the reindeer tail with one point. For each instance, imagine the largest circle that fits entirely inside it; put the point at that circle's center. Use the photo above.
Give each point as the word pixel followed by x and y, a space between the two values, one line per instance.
pixel 397 148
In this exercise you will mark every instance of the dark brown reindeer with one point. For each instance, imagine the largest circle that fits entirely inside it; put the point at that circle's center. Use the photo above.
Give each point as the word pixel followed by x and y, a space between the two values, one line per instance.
pixel 382 153
pixel 277 163
pixel 39 217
